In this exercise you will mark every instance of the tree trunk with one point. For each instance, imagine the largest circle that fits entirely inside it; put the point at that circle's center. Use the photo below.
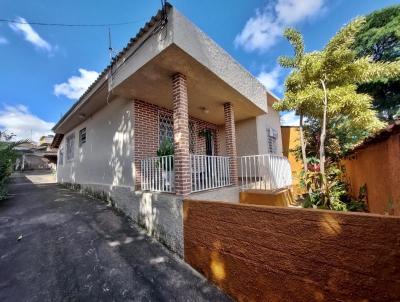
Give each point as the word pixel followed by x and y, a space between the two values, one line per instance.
pixel 303 144
pixel 303 153
pixel 322 139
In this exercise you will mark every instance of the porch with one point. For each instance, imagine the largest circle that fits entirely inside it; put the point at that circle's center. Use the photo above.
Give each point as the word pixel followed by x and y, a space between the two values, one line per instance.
pixel 256 172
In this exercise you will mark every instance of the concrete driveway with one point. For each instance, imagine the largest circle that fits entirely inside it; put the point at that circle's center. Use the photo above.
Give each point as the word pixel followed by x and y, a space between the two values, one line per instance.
pixel 76 249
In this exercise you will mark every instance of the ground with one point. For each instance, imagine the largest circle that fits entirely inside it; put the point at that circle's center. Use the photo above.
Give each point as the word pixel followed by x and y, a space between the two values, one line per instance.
pixel 77 249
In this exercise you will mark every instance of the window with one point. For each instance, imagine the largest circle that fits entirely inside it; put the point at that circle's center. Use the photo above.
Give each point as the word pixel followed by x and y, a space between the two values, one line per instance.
pixel 192 137
pixel 70 146
pixel 61 157
pixel 272 138
pixel 82 136
pixel 166 127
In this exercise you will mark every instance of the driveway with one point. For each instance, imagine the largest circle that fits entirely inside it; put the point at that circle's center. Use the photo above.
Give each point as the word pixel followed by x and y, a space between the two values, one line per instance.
pixel 77 249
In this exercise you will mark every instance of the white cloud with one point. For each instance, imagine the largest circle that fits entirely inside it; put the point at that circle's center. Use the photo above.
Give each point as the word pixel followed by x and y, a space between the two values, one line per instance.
pixel 19 121
pixel 289 118
pixel 3 40
pixel 76 85
pixel 264 29
pixel 30 34
pixel 271 79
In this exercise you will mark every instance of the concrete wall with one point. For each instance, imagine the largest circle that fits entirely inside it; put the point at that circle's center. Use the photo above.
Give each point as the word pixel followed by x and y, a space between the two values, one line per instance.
pixel 158 213
pixel 106 157
pixel 196 43
pixel 378 168
pixel 257 253
pixel 246 137
pixel 270 120
pixel 251 134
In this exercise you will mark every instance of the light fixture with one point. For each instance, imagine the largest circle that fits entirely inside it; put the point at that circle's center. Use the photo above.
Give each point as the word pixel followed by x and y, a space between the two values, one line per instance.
pixel 205 110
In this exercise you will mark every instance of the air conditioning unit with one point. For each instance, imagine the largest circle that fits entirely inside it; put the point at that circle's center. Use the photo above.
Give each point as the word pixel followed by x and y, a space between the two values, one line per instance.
pixel 272 132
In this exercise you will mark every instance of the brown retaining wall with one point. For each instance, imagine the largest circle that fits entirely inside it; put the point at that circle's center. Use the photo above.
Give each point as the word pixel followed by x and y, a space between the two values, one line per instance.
pixel 257 253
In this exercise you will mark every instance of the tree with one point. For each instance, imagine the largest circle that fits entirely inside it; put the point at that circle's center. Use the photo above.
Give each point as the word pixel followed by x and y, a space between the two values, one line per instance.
pixel 322 86
pixel 7 159
pixel 379 38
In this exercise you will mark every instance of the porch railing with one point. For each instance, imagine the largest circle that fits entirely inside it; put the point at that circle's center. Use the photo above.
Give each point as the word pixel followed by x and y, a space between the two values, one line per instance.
pixel 209 172
pixel 157 174
pixel 264 172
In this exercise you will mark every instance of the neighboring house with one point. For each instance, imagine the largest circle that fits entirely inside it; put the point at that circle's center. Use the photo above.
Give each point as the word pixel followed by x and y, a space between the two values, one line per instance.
pixel 46 140
pixel 374 165
pixel 34 157
pixel 171 82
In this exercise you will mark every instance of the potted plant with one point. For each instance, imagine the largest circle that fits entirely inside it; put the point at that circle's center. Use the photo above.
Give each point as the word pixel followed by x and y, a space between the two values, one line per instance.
pixel 166 148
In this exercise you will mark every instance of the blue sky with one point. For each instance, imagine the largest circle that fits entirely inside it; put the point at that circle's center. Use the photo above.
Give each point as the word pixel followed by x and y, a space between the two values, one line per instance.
pixel 44 69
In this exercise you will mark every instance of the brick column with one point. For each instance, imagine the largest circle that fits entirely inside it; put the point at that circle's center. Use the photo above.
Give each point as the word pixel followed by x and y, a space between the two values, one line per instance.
pixel 181 135
pixel 230 137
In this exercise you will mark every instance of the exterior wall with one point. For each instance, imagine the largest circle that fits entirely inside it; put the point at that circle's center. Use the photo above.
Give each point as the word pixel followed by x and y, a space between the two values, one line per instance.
pixel 270 120
pixel 378 167
pixel 159 214
pixel 251 134
pixel 257 253
pixel 290 141
pixel 203 49
pixel 246 137
pixel 146 118
pixel 106 157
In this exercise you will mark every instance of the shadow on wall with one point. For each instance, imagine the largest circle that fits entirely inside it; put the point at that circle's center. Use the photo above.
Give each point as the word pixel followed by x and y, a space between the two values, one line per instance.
pixel 283 254
pixel 106 156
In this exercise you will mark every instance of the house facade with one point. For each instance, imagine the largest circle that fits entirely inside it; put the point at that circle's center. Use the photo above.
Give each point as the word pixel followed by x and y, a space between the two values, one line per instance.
pixel 171 83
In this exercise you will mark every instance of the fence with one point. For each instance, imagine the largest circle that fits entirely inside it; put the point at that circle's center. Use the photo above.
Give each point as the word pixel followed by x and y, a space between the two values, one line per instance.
pixel 264 172
pixel 209 172
pixel 157 174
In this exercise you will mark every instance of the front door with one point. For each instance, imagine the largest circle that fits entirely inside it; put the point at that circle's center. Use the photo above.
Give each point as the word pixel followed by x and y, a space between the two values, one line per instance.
pixel 210 143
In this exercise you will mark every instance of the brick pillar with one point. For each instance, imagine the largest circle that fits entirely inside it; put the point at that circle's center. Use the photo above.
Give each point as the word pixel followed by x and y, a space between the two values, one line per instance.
pixel 181 135
pixel 230 134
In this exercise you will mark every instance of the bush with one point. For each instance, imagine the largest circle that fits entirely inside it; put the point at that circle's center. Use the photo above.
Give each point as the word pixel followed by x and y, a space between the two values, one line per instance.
pixel 7 159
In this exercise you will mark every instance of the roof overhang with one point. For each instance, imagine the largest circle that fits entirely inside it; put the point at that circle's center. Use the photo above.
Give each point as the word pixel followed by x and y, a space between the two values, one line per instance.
pixel 143 70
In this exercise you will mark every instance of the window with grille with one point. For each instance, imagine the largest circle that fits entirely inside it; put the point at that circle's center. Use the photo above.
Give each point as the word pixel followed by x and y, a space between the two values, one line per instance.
pixel 166 127
pixel 70 141
pixel 272 138
pixel 192 137
pixel 82 136
pixel 61 157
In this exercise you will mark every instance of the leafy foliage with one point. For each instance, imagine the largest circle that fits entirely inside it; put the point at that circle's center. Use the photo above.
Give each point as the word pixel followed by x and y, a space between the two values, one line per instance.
pixel 166 148
pixel 7 159
pixel 379 38
pixel 322 87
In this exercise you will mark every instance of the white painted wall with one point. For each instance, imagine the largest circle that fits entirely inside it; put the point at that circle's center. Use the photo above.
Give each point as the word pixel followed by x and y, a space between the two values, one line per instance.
pixel 203 49
pixel 107 156
pixel 246 137
pixel 251 134
pixel 269 120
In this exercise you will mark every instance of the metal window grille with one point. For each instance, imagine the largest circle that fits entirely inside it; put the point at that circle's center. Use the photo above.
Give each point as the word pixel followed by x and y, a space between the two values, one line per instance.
pixel 166 127
pixel 82 136
pixel 61 157
pixel 192 137
pixel 70 146
pixel 272 137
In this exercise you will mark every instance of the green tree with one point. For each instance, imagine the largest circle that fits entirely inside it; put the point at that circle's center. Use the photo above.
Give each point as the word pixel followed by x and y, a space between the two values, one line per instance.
pixel 7 159
pixel 379 38
pixel 322 86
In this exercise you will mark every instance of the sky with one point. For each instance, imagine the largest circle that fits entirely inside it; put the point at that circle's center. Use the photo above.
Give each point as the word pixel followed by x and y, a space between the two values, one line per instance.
pixel 44 69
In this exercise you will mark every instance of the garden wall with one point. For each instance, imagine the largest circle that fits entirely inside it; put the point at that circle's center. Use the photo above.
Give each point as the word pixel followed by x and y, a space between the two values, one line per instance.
pixel 257 253
pixel 377 166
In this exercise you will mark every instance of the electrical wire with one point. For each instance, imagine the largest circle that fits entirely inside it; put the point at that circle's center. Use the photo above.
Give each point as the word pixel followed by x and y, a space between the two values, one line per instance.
pixel 69 24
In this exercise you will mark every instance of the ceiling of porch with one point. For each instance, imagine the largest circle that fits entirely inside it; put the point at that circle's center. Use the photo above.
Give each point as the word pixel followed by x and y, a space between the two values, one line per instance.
pixel 206 92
